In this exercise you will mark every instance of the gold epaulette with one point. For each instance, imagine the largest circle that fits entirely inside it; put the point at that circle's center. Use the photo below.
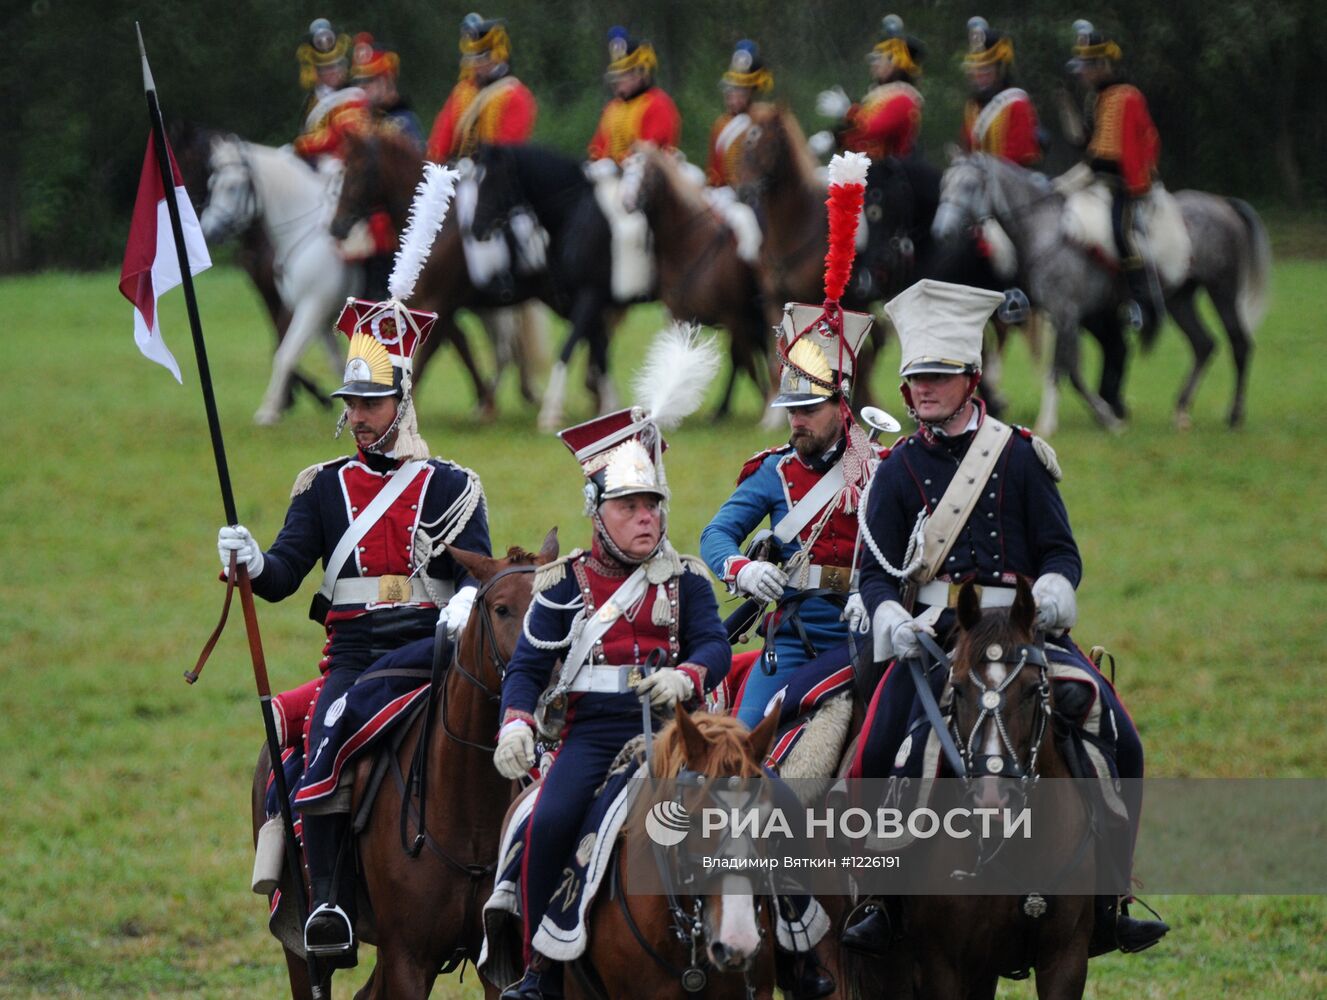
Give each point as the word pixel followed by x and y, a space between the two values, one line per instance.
pixel 552 573
pixel 305 479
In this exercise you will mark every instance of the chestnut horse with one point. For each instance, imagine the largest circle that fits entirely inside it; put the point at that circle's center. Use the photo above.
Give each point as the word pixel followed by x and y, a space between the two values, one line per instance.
pixel 382 170
pixel 701 278
pixel 959 946
pixel 634 947
pixel 423 911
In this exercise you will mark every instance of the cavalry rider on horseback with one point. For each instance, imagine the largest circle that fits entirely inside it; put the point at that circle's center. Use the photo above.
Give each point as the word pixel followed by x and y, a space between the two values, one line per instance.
pixel 610 614
pixel 889 117
pixel 380 521
pixel 639 111
pixel 1122 151
pixel 745 77
pixel 333 109
pixel 968 498
pixel 374 69
pixel 488 105
pixel 998 118
pixel 809 487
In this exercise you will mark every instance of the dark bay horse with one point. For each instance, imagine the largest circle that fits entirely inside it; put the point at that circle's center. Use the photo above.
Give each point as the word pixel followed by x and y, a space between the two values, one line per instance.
pixel 577 283
pixel 777 176
pixel 957 947
pixel 382 170
pixel 633 948
pixel 1231 260
pixel 701 278
pixel 423 912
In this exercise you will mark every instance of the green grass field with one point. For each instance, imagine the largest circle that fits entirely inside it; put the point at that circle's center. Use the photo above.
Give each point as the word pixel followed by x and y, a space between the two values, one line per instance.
pixel 125 831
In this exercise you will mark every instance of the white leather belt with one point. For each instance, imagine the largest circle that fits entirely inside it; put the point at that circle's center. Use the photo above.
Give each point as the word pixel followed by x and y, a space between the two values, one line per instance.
pixel 944 594
pixel 606 678
pixel 387 590
pixel 838 578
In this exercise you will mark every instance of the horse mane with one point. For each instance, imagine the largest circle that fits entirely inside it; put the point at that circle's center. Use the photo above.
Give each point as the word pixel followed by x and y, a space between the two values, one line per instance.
pixel 688 194
pixel 799 154
pixel 729 754
pixel 517 556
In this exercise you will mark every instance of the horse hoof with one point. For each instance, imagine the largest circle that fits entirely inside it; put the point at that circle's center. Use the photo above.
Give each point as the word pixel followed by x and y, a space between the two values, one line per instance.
pixel 1183 422
pixel 1236 420
pixel 549 423
pixel 267 417
pixel 1044 430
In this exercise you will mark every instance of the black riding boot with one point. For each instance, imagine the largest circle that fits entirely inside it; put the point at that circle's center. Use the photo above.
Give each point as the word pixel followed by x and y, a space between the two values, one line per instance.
pixel 329 932
pixel 1116 929
pixel 542 981
pixel 871 930
pixel 1141 311
pixel 801 977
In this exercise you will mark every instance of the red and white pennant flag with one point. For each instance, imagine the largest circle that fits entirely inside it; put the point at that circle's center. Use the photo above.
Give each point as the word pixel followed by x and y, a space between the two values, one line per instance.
pixel 151 265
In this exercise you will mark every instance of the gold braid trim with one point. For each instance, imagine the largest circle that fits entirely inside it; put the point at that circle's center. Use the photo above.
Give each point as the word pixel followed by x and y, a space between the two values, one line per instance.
pixel 552 573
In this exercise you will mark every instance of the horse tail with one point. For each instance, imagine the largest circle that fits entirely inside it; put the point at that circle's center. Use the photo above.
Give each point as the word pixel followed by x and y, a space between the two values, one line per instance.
pixel 1255 268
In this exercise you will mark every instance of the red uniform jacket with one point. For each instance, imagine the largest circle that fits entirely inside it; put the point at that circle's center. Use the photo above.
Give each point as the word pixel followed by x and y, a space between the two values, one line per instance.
pixel 327 136
pixel 886 122
pixel 650 116
pixel 725 149
pixel 1123 134
pixel 1010 132
pixel 502 114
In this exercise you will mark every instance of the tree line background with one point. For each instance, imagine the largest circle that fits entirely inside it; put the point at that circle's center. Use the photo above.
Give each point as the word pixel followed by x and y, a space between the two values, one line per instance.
pixel 1234 85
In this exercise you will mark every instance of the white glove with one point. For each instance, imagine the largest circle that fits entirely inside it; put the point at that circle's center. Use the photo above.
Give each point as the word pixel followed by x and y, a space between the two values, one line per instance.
pixel 1057 606
pixel 822 144
pixel 895 632
pixel 514 755
pixel 666 686
pixel 833 103
pixel 457 611
pixel 854 613
pixel 762 580
pixel 236 538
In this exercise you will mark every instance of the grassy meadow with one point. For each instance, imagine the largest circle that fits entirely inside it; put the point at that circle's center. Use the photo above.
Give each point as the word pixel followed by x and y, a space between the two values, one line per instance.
pixel 124 829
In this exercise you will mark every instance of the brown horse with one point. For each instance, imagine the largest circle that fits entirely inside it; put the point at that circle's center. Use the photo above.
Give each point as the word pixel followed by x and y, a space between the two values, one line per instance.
pixel 634 949
pixel 423 912
pixel 961 945
pixel 382 169
pixel 701 278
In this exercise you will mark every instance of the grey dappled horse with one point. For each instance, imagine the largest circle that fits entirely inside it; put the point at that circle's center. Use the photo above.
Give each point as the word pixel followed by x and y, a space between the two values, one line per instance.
pixel 1231 259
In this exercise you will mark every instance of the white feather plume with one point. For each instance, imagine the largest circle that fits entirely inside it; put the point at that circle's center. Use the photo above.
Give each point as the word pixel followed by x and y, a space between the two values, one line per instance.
pixel 678 368
pixel 432 199
pixel 849 168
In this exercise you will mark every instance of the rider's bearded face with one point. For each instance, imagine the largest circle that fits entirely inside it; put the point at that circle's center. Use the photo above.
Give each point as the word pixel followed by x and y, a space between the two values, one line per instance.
pixel 370 416
pixel 634 523
pixel 815 429
pixel 937 398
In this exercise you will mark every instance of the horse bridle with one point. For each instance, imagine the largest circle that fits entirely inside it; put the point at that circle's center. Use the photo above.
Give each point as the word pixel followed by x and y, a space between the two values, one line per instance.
pixel 991 701
pixel 230 222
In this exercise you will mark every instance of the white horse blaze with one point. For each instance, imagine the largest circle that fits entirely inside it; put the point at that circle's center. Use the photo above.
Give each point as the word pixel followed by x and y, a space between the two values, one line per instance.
pixel 739 930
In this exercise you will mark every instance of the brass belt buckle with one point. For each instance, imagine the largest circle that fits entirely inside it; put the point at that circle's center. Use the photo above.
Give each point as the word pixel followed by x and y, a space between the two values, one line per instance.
pixel 393 589
pixel 954 588
pixel 634 676
pixel 838 578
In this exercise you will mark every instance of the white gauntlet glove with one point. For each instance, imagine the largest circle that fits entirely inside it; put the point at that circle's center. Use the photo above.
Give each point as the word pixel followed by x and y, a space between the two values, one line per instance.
pixel 236 538
pixel 854 613
pixel 666 686
pixel 895 632
pixel 1057 606
pixel 457 611
pixel 821 144
pixel 514 755
pixel 761 580
pixel 833 103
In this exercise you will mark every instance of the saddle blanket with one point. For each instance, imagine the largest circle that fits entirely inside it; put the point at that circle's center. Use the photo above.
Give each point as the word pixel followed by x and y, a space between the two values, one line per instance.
pixel 563 934
pixel 917 765
pixel 1086 222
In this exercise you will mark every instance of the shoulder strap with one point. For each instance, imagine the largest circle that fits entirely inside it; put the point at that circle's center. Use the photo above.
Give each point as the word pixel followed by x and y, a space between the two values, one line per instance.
pixel 955 507
pixel 800 514
pixel 993 108
pixel 367 518
pixel 598 624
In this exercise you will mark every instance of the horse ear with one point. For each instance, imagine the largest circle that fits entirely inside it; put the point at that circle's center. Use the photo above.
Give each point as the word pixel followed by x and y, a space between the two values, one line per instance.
pixel 480 566
pixel 693 740
pixel 762 737
pixel 952 152
pixel 969 606
pixel 1024 611
pixel 549 550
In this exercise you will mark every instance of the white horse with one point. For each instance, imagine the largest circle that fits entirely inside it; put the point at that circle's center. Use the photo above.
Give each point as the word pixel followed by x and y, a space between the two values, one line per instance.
pixel 1227 254
pixel 294 204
